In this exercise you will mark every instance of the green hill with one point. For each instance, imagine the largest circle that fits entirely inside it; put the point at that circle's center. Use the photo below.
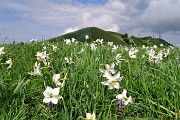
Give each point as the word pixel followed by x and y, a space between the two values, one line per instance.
pixel 149 41
pixel 109 36
pixel 94 33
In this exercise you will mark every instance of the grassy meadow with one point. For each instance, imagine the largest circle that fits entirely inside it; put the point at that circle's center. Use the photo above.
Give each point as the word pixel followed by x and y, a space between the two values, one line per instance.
pixel 153 83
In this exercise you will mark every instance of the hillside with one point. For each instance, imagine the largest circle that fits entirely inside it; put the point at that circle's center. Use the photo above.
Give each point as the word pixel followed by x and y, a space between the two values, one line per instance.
pixel 94 33
pixel 109 36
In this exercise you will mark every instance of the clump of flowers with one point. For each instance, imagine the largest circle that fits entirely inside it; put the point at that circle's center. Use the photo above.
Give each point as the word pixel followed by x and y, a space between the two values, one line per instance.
pixel 67 41
pixel 132 53
pixel 110 43
pixel 99 41
pixel 113 79
pixel 70 41
pixel 155 57
pixel 123 101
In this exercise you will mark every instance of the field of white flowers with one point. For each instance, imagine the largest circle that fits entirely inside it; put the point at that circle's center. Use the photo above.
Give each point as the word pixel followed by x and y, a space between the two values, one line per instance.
pixel 69 80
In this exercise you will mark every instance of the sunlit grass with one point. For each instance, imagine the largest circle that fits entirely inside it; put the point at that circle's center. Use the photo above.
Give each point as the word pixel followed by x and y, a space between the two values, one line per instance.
pixel 155 91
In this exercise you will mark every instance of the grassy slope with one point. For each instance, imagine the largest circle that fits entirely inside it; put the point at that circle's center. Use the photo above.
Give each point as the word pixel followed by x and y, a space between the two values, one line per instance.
pixel 155 94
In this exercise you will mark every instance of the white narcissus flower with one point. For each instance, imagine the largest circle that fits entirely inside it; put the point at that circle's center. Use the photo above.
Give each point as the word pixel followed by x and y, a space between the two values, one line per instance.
pixel 109 68
pixel 126 100
pixel 44 47
pixel 73 40
pixel 90 116
pixel 112 81
pixel 99 41
pixel 118 58
pixel 115 47
pixel 155 46
pixel 166 52
pixel 126 49
pixel 93 46
pixel 87 37
pixel 51 95
pixel 151 52
pixel 110 43
pixel 41 56
pixel 132 53
pixel 159 57
pixel 9 62
pixel 55 79
pixel 54 48
pixel 76 42
pixel 67 41
pixel 81 51
pixel 68 60
pixel 36 70
pixel 1 50
pixel 143 46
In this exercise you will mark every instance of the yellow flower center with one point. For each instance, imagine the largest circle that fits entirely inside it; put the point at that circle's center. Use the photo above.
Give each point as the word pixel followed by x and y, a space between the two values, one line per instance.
pixel 125 99
pixel 38 57
pixel 34 74
pixel 51 96
pixel 109 71
pixel 53 80
pixel 113 82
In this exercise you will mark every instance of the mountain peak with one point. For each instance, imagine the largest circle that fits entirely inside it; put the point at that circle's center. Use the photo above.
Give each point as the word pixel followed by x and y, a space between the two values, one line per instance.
pixel 109 36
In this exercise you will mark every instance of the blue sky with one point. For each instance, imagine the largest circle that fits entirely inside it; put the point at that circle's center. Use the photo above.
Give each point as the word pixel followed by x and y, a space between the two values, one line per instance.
pixel 22 20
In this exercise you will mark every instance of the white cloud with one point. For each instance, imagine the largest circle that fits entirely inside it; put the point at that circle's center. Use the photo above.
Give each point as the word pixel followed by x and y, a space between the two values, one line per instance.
pixel 116 5
pixel 132 16
pixel 102 16
pixel 162 15
pixel 70 30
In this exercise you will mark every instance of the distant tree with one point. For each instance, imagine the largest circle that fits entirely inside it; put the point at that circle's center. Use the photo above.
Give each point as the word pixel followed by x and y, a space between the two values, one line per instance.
pixel 125 35
pixel 126 38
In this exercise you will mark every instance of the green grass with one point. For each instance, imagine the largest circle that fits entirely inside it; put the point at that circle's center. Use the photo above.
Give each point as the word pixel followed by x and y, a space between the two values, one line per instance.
pixel 155 93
